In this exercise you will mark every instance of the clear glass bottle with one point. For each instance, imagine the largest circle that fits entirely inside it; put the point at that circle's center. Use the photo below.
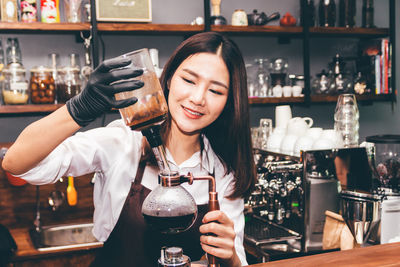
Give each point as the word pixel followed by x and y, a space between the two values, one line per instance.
pixel 261 80
pixel 15 86
pixel 13 52
pixel 42 85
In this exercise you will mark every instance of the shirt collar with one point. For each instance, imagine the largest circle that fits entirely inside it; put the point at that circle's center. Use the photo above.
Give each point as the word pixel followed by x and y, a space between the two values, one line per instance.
pixel 207 160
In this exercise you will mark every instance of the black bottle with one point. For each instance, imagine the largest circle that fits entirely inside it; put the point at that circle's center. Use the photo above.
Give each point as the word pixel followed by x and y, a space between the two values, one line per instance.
pixel 310 9
pixel 347 13
pixel 368 14
pixel 327 13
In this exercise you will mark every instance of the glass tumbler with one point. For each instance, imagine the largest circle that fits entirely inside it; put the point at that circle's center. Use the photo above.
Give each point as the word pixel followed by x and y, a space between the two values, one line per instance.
pixel 346 119
pixel 151 107
pixel 265 130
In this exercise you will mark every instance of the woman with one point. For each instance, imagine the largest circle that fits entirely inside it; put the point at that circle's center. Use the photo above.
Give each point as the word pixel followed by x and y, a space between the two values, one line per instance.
pixel 207 131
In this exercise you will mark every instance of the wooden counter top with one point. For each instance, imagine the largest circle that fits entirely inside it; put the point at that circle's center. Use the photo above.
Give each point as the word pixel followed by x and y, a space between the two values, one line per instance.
pixel 379 255
pixel 26 249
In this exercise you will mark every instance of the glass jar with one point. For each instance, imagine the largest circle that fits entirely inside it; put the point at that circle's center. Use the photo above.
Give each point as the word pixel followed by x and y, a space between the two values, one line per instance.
pixel 15 86
pixel 68 83
pixel 278 68
pixel 42 86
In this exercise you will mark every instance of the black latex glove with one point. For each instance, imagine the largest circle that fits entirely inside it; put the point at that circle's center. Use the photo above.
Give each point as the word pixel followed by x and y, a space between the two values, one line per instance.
pixel 98 95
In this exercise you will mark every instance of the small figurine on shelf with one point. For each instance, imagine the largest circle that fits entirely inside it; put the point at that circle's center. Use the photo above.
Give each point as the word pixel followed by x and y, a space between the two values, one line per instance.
pixel 28 11
pixel 361 85
pixel 216 18
pixel 288 20
pixel 50 11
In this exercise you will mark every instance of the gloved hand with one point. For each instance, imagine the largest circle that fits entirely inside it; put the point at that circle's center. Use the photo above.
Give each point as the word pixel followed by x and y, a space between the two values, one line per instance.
pixel 98 95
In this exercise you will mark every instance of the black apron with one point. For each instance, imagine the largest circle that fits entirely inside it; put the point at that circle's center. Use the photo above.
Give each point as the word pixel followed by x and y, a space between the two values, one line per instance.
pixel 131 243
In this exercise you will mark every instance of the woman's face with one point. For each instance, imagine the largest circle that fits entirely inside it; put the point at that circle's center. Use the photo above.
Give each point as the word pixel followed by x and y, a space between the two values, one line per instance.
pixel 198 92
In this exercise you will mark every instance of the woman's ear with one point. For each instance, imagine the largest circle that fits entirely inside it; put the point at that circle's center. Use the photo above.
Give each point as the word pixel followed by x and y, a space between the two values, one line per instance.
pixel 168 84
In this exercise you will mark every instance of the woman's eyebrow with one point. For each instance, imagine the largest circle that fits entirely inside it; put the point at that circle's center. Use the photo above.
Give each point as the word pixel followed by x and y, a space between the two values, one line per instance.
pixel 212 81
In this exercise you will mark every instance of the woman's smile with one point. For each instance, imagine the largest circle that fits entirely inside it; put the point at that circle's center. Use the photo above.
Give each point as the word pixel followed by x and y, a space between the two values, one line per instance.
pixel 192 113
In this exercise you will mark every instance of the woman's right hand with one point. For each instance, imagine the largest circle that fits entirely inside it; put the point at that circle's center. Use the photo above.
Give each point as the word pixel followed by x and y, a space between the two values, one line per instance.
pixel 98 95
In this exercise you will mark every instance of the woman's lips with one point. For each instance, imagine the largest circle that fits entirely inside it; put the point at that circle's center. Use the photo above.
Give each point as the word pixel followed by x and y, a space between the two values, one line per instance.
pixel 191 113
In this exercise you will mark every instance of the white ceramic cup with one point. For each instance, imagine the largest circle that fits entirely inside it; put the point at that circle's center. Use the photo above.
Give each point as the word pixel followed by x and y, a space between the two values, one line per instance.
pixel 296 90
pixel 287 144
pixel 314 132
pixel 277 91
pixel 282 116
pixel 303 143
pixel 299 126
pixel 334 136
pixel 275 139
pixel 287 91
pixel 323 143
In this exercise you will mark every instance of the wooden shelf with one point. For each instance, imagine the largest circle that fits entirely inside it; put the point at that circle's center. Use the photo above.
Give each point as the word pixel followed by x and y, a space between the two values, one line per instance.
pixel 150 28
pixel 39 26
pixel 360 98
pixel 269 30
pixel 18 109
pixel 275 100
pixel 349 32
pixel 315 99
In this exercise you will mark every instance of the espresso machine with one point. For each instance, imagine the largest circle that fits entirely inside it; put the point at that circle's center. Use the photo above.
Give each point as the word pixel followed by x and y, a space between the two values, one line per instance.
pixel 293 194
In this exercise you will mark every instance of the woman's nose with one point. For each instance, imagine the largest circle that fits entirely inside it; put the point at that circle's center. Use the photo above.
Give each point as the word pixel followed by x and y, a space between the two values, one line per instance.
pixel 198 96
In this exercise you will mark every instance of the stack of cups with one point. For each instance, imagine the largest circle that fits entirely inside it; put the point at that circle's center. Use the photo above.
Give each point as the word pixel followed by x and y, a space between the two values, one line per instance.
pixel 346 119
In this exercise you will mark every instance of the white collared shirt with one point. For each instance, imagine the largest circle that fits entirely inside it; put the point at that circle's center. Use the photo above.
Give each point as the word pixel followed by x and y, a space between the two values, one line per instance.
pixel 113 153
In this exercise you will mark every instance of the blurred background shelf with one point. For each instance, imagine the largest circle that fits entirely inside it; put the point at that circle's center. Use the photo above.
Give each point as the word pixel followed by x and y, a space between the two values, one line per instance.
pixel 18 109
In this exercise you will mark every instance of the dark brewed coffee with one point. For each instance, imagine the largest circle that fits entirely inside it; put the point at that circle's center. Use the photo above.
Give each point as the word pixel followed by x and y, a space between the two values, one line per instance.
pixel 170 225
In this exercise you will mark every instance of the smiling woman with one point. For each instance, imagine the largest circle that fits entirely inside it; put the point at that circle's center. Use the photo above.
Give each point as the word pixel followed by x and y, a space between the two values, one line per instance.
pixel 206 132
pixel 198 92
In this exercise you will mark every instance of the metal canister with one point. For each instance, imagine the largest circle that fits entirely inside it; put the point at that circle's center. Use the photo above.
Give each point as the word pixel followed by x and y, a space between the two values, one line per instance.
pixel 173 257
pixel 239 18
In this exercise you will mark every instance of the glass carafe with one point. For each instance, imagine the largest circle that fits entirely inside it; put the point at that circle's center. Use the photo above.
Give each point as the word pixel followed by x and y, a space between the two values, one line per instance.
pixel 169 209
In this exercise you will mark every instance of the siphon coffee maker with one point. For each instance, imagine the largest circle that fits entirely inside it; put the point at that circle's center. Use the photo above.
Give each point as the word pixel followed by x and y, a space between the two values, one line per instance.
pixel 169 208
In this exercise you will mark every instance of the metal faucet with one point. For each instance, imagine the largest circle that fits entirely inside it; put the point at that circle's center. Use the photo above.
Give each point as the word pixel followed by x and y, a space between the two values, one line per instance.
pixel 37 223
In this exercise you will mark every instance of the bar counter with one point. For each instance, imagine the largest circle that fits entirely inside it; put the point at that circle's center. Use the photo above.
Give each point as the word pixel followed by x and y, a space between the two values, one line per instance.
pixel 379 255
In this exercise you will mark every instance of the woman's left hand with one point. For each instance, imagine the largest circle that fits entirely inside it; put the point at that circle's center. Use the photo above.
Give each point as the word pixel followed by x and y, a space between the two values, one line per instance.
pixel 221 242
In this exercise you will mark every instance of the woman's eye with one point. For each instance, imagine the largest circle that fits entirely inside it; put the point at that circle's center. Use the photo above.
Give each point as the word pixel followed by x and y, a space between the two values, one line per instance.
pixel 215 92
pixel 188 81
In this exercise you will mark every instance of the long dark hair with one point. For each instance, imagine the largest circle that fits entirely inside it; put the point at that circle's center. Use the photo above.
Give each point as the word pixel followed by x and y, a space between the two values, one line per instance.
pixel 229 135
